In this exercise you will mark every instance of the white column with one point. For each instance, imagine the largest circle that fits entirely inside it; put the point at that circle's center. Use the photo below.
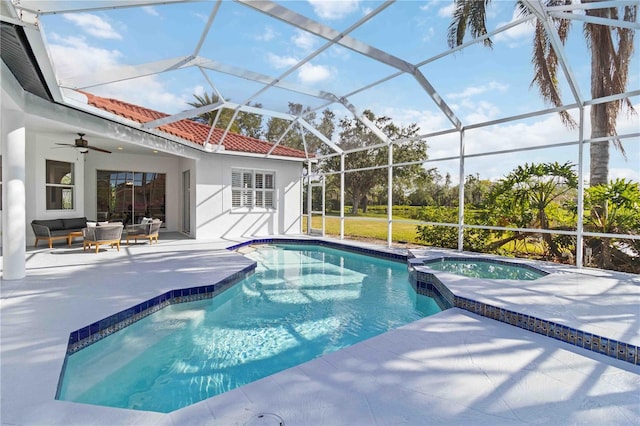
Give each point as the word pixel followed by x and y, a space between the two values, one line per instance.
pixel 461 195
pixel 342 196
pixel 13 195
pixel 580 224
pixel 390 197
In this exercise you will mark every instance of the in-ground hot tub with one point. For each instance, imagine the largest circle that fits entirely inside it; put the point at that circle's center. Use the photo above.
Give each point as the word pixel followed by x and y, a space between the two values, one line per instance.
pixel 485 268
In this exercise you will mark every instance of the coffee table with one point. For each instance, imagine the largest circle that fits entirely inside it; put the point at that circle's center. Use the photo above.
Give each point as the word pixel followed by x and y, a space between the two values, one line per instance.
pixel 72 235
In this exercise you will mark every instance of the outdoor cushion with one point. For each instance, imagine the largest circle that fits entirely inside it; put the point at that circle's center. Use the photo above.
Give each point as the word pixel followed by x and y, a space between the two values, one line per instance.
pixel 75 223
pixel 52 224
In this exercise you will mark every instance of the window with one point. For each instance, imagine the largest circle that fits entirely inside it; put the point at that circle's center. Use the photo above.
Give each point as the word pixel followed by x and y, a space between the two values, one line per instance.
pixel 251 188
pixel 130 196
pixel 60 185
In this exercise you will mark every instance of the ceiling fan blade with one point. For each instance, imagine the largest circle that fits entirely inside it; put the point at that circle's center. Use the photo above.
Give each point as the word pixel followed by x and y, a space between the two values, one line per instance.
pixel 65 144
pixel 98 149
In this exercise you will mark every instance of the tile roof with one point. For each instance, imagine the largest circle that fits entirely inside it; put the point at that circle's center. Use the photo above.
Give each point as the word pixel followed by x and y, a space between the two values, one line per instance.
pixel 191 130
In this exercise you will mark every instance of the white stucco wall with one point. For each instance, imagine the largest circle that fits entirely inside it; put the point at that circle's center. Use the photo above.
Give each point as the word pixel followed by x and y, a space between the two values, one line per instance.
pixel 211 214
pixel 215 218
pixel 152 163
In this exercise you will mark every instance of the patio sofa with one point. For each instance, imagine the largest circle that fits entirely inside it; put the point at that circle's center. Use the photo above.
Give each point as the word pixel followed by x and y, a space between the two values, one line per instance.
pixel 57 229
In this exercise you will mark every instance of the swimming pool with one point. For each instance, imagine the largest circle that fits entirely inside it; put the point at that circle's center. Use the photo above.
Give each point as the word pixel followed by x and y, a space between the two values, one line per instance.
pixel 485 268
pixel 302 302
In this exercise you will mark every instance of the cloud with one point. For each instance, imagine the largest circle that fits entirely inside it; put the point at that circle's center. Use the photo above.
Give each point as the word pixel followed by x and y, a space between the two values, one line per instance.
pixel 304 40
pixel 310 73
pixel 334 9
pixel 481 112
pixel 150 10
pixel 201 16
pixel 515 36
pixel 470 91
pixel 73 56
pixel 279 62
pixel 69 56
pixel 268 34
pixel 535 132
pixel 93 25
pixel 427 121
pixel 428 34
pixel 447 11
pixel 623 173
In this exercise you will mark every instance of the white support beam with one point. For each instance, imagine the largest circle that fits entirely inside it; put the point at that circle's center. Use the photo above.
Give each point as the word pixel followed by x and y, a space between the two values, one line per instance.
pixel 364 120
pixel 292 18
pixel 127 72
pixel 48 7
pixel 275 145
pixel 182 115
pixel 442 105
pixel 320 136
pixel 536 7
pixel 461 205
pixel 260 111
pixel 207 27
pixel 596 20
pixel 594 5
pixel 304 141
pixel 262 78
pixel 580 197
pixel 303 23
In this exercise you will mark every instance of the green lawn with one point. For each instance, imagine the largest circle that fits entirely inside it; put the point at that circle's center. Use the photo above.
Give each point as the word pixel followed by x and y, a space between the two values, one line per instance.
pixel 365 227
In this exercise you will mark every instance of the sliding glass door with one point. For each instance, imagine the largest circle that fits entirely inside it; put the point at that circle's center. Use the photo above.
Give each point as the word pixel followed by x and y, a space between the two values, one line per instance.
pixel 130 196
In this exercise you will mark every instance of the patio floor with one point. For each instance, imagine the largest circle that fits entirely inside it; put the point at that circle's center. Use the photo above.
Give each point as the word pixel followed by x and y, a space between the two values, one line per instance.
pixel 452 368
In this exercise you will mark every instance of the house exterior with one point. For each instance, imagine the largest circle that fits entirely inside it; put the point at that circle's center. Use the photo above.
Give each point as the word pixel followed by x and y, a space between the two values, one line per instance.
pixel 184 172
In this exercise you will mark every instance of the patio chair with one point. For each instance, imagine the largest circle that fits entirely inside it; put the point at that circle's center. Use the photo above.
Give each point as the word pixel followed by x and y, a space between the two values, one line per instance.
pixel 104 234
pixel 149 230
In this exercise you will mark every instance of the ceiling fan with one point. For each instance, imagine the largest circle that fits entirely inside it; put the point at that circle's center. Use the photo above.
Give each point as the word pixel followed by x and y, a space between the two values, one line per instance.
pixel 83 145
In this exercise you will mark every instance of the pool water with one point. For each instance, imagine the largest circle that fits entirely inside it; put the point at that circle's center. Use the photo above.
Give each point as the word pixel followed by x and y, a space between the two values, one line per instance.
pixel 487 269
pixel 302 302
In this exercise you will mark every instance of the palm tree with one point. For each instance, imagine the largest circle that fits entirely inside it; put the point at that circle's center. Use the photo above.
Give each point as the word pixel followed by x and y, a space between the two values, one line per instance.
pixel 611 49
pixel 209 118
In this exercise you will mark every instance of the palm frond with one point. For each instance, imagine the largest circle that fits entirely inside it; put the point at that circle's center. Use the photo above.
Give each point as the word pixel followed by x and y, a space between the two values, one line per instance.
pixel 469 14
pixel 545 64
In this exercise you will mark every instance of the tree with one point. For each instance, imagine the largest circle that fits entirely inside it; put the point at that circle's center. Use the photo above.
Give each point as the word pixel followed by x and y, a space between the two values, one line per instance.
pixel 277 126
pixel 611 49
pixel 245 123
pixel 617 204
pixel 524 197
pixel 354 134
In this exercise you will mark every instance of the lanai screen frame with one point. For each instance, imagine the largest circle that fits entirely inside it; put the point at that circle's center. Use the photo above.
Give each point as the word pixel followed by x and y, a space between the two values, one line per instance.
pixel 28 12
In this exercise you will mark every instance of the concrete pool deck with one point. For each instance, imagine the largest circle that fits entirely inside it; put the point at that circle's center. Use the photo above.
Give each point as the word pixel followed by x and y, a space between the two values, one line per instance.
pixel 452 368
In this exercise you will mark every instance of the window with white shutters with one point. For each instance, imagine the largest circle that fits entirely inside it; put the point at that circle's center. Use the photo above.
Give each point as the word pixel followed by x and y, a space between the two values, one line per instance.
pixel 251 188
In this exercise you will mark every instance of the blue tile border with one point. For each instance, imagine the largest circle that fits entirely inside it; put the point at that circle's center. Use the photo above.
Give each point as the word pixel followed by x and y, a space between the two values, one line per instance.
pixel 345 247
pixel 424 283
pixel 592 342
pixel 487 260
pixel 97 331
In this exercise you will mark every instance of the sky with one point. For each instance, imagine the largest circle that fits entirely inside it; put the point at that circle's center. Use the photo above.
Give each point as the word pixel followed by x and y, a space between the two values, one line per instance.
pixel 479 84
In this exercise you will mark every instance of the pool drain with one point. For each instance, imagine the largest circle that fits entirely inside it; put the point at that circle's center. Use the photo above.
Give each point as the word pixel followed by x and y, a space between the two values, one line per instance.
pixel 265 419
